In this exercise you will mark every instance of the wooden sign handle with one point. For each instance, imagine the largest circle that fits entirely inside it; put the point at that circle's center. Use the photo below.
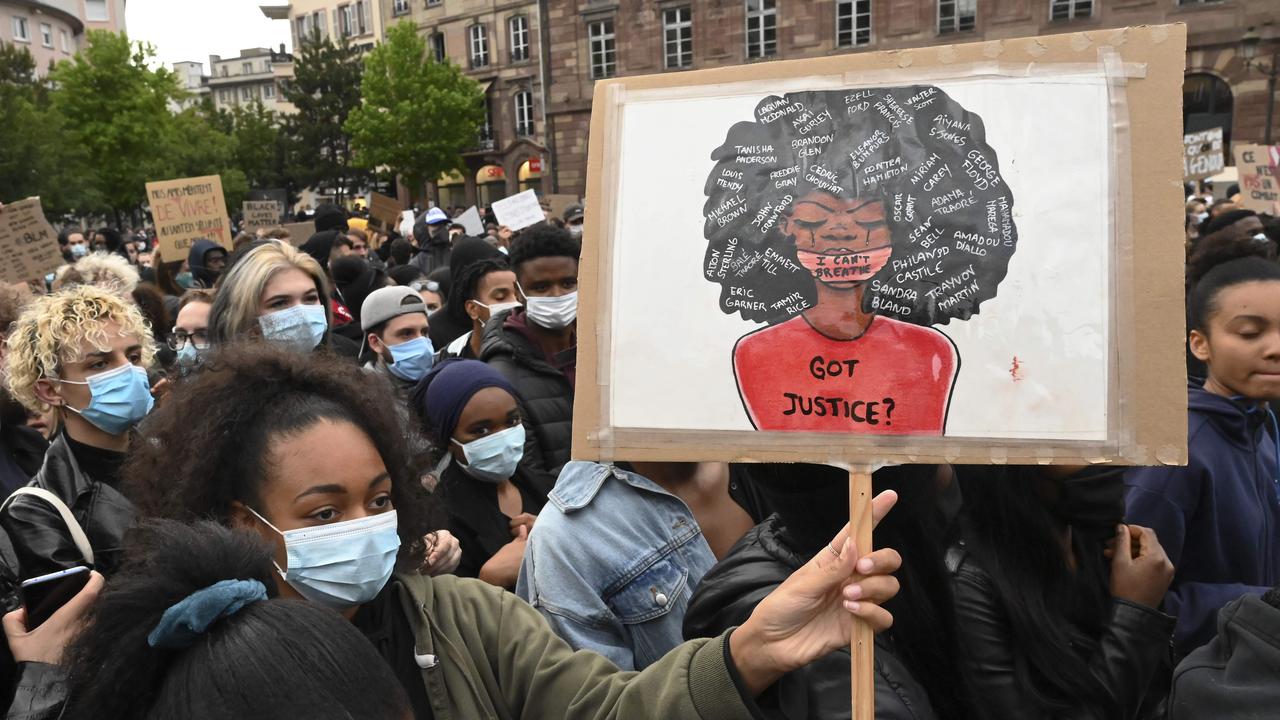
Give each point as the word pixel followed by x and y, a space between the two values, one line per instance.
pixel 862 643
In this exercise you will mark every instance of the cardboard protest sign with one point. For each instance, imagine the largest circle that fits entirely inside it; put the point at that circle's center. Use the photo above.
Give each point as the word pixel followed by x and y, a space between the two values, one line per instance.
pixel 260 214
pixel 471 221
pixel 300 232
pixel 28 244
pixel 519 211
pixel 559 202
pixel 1202 154
pixel 186 210
pixel 384 212
pixel 1259 167
pixel 870 263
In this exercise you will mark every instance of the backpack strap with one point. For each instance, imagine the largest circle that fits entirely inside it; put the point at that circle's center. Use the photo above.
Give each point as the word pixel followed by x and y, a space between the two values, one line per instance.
pixel 73 526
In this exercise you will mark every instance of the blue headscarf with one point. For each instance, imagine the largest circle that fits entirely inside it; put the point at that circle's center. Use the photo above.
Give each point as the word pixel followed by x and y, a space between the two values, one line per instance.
pixel 444 392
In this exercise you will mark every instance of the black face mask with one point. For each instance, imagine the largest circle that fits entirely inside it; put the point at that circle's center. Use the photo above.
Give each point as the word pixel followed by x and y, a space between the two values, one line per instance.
pixel 1092 503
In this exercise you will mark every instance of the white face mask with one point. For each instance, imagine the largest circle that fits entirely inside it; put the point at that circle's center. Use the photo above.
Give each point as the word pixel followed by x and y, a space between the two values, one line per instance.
pixel 552 313
pixel 497 308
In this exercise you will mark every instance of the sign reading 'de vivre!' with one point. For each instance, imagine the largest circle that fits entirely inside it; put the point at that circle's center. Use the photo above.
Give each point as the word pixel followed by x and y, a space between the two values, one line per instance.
pixel 186 210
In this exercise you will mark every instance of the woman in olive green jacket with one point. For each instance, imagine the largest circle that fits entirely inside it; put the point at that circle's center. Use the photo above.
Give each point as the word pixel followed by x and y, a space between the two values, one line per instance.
pixel 303 451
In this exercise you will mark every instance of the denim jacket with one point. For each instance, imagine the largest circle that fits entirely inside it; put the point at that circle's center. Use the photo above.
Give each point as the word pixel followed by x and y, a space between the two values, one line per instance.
pixel 612 563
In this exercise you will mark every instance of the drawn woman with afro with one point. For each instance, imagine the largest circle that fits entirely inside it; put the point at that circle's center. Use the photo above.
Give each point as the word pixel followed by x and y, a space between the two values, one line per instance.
pixel 851 223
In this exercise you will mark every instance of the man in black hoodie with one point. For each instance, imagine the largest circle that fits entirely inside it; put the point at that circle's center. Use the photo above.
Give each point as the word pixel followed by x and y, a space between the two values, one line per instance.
pixel 434 242
pixel 536 346
pixel 206 261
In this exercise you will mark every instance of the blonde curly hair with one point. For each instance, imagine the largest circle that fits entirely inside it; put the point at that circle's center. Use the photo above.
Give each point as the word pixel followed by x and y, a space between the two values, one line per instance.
pixel 52 329
pixel 105 270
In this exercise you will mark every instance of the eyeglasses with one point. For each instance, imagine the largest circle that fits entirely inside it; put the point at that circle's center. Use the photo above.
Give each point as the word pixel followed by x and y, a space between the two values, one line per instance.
pixel 428 285
pixel 180 338
pixel 358 248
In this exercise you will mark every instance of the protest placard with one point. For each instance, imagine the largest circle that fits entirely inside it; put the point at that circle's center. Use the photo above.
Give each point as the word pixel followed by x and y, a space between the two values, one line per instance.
pixel 384 212
pixel 1202 154
pixel 519 211
pixel 557 203
pixel 1259 167
pixel 28 244
pixel 861 253
pixel 260 214
pixel 471 221
pixel 300 232
pixel 187 209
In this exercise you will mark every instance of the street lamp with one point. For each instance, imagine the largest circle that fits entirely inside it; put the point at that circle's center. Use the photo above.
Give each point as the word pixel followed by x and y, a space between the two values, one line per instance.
pixel 1249 54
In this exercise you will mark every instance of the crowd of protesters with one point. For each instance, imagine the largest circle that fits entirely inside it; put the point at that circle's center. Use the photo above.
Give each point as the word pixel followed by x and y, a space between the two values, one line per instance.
pixel 330 477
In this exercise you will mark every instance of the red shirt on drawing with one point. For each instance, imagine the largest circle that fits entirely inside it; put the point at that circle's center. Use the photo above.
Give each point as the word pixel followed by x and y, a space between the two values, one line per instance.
pixel 894 379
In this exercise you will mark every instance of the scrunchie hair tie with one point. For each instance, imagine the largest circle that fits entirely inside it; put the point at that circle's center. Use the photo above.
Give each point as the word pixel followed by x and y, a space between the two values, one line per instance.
pixel 187 620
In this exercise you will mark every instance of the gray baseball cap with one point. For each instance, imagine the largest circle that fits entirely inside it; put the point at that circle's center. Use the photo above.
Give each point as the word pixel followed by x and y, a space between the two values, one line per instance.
pixel 386 303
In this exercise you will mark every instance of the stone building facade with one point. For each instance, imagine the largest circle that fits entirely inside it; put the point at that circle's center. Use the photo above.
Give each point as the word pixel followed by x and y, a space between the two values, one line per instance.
pixel 499 44
pixel 611 38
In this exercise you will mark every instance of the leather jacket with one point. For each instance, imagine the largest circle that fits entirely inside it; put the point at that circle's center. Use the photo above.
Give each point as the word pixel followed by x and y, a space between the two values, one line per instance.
pixel 757 564
pixel 40 538
pixel 1125 659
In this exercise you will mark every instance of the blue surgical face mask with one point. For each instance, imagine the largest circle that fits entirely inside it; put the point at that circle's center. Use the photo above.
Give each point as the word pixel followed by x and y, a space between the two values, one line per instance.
pixel 184 280
pixel 299 328
pixel 119 399
pixel 79 250
pixel 340 565
pixel 411 360
pixel 493 458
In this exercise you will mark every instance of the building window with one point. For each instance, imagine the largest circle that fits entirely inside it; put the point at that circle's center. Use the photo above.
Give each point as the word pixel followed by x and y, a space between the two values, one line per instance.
pixel 268 91
pixel 96 11
pixel 604 55
pixel 246 68
pixel 524 113
pixel 400 7
pixel 65 40
pixel 346 21
pixel 762 28
pixel 853 22
pixel 957 15
pixel 21 33
pixel 677 37
pixel 485 134
pixel 1070 9
pixel 479 46
pixel 433 3
pixel 437 46
pixel 1207 103
pixel 222 70
pixel 319 25
pixel 245 93
pixel 46 35
pixel 362 17
pixel 519 26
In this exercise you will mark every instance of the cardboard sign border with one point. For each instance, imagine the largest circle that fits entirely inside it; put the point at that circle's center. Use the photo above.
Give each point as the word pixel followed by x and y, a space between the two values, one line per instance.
pixel 1148 404
pixel 167 243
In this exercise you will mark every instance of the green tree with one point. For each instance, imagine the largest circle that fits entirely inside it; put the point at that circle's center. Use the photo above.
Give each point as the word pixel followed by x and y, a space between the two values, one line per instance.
pixel 325 89
pixel 198 146
pixel 116 109
pixel 417 115
pixel 35 157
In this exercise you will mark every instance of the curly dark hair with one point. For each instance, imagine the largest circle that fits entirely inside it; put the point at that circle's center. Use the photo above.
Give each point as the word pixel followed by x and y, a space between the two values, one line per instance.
pixel 543 240
pixel 949 212
pixel 465 284
pixel 271 658
pixel 209 441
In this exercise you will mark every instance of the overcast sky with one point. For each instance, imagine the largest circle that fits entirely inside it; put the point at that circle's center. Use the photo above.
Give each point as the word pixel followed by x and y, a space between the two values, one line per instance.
pixel 196 29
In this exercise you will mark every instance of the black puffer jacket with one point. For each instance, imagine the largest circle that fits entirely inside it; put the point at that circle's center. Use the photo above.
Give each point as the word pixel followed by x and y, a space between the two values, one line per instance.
pixel 40 537
pixel 1125 659
pixel 1234 675
pixel 757 564
pixel 545 394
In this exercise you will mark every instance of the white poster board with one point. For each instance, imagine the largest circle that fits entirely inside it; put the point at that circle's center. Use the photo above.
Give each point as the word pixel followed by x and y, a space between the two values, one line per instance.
pixel 519 211
pixel 471 221
pixel 881 257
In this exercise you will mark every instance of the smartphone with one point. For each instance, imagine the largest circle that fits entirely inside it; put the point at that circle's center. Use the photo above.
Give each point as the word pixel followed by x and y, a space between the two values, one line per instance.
pixel 42 596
